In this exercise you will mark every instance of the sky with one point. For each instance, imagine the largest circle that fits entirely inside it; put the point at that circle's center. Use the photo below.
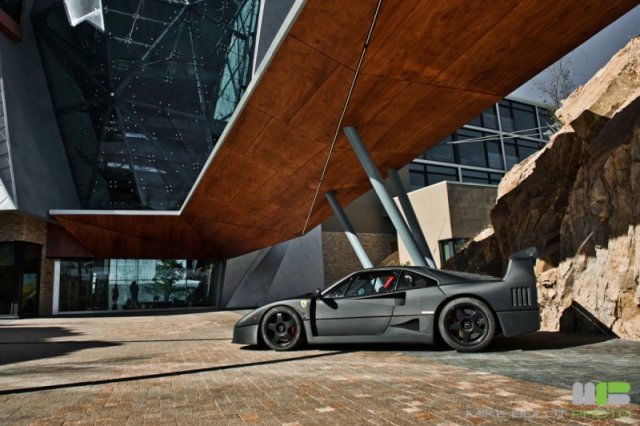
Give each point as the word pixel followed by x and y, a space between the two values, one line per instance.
pixel 589 57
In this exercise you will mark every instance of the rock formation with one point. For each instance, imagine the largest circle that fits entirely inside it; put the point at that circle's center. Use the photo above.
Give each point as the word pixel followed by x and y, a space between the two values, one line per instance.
pixel 578 201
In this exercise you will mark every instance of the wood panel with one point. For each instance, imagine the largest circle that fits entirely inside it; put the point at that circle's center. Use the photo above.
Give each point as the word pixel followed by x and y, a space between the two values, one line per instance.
pixel 431 66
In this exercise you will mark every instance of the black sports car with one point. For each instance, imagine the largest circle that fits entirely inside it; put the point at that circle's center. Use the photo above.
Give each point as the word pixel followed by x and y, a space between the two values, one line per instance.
pixel 403 304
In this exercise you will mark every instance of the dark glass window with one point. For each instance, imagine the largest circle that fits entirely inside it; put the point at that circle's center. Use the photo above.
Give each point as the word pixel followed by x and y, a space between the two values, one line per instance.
pixel 495 178
pixel 511 153
pixel 475 176
pixel 526 148
pixel 142 105
pixel 417 176
pixel 547 123
pixel 443 152
pixel 449 248
pixel 486 119
pixel 517 149
pixel 471 153
pixel 437 174
pixel 480 149
pixel 518 117
pixel 494 154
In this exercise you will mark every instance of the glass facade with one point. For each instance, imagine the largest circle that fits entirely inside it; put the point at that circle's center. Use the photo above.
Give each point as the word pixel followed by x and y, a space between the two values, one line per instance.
pixel 141 106
pixel 125 284
pixel 486 148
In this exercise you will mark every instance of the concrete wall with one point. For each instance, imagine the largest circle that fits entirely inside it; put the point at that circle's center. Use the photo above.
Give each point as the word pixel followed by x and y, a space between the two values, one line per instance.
pixel 365 214
pixel 450 210
pixel 470 206
pixel 340 259
pixel 18 227
pixel 42 174
pixel 431 205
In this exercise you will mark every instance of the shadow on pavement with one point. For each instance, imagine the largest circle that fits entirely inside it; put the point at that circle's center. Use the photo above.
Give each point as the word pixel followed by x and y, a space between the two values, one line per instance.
pixel 544 341
pixel 167 374
pixel 20 344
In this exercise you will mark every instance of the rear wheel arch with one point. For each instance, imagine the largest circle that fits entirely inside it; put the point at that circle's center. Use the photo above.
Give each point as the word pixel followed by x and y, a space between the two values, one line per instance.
pixel 442 304
pixel 472 327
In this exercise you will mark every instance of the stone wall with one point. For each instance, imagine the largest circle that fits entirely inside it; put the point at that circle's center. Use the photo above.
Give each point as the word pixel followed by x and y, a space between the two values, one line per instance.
pixel 578 201
pixel 340 259
pixel 16 227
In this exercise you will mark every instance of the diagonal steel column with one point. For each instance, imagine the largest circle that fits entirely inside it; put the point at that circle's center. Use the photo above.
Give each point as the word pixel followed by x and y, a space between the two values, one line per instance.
pixel 349 231
pixel 387 202
pixel 410 215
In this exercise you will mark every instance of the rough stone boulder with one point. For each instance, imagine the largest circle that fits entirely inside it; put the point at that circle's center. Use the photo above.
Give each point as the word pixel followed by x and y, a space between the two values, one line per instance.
pixel 578 201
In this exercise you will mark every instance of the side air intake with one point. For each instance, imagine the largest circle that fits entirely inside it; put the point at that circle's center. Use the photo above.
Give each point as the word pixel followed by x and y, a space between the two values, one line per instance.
pixel 521 296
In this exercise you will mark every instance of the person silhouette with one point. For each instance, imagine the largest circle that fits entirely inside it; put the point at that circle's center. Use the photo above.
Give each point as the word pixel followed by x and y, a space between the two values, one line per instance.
pixel 134 293
pixel 115 295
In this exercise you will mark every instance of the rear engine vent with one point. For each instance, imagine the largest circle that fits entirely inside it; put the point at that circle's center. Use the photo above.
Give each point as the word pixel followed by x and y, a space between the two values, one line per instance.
pixel 521 296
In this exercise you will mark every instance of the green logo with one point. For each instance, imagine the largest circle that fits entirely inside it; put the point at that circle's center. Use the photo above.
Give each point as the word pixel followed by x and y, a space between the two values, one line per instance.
pixel 603 393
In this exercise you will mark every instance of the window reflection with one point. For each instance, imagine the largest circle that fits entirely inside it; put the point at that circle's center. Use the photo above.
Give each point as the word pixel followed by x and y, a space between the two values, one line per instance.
pixel 123 284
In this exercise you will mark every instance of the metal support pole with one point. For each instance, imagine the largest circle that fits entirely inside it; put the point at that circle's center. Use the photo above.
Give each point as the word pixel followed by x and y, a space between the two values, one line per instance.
pixel 387 202
pixel 349 231
pixel 410 215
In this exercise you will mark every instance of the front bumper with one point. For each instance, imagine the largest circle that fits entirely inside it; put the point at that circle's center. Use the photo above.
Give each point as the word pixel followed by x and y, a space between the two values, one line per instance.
pixel 246 335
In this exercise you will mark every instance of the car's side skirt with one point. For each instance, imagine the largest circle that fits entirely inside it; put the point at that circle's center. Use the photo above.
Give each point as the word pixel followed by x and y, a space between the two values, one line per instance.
pixel 383 338
pixel 393 334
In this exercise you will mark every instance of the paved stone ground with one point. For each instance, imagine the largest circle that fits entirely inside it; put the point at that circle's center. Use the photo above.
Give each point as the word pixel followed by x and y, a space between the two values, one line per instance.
pixel 182 369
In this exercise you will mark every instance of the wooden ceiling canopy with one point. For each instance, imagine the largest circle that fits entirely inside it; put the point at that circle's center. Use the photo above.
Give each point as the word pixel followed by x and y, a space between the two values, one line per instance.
pixel 430 67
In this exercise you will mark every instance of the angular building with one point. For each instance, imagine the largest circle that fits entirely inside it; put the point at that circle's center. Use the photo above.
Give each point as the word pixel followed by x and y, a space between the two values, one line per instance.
pixel 143 143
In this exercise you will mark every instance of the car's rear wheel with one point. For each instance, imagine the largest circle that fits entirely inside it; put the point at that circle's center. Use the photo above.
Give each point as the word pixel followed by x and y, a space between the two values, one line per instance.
pixel 281 329
pixel 467 324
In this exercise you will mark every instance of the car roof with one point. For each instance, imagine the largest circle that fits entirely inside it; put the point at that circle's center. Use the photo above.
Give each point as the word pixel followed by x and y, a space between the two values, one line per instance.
pixel 443 276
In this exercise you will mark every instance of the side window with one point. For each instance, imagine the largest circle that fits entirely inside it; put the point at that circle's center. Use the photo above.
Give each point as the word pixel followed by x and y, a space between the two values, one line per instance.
pixel 366 284
pixel 409 281
pixel 340 289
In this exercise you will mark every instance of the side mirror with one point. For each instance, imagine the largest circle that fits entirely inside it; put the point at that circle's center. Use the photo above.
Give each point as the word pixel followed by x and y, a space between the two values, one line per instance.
pixel 317 293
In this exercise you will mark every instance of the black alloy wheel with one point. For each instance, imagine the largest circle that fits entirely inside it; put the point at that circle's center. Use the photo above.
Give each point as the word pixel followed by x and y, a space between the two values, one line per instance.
pixel 281 329
pixel 467 324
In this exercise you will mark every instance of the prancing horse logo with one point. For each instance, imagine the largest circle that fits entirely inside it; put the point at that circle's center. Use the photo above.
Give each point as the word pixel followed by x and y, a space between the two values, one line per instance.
pixel 303 303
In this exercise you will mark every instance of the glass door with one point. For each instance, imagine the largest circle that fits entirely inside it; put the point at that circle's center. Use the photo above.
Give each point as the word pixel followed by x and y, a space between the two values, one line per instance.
pixel 30 285
pixel 19 278
pixel 7 279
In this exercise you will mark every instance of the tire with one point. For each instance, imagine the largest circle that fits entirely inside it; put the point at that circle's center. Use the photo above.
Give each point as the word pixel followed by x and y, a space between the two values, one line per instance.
pixel 281 329
pixel 467 324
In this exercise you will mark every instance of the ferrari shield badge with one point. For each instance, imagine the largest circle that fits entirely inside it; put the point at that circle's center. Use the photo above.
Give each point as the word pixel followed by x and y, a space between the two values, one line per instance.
pixel 303 303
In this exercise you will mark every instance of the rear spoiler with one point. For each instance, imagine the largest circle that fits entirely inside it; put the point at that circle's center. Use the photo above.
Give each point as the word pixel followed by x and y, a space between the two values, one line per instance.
pixel 521 266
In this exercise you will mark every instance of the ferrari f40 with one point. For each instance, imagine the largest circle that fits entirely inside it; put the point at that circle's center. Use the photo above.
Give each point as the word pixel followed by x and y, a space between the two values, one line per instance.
pixel 403 305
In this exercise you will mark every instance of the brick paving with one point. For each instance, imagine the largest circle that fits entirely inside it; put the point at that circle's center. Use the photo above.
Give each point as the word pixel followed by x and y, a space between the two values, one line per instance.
pixel 182 369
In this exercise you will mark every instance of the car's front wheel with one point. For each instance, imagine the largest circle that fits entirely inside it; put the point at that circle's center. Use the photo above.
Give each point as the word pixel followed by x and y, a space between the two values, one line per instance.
pixel 281 329
pixel 467 324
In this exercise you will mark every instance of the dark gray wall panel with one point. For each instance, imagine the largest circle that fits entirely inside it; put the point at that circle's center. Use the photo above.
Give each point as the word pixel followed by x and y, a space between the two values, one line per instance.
pixel 285 270
pixel 42 177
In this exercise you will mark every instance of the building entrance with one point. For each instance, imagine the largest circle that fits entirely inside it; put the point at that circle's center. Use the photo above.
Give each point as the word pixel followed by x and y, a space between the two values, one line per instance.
pixel 19 278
